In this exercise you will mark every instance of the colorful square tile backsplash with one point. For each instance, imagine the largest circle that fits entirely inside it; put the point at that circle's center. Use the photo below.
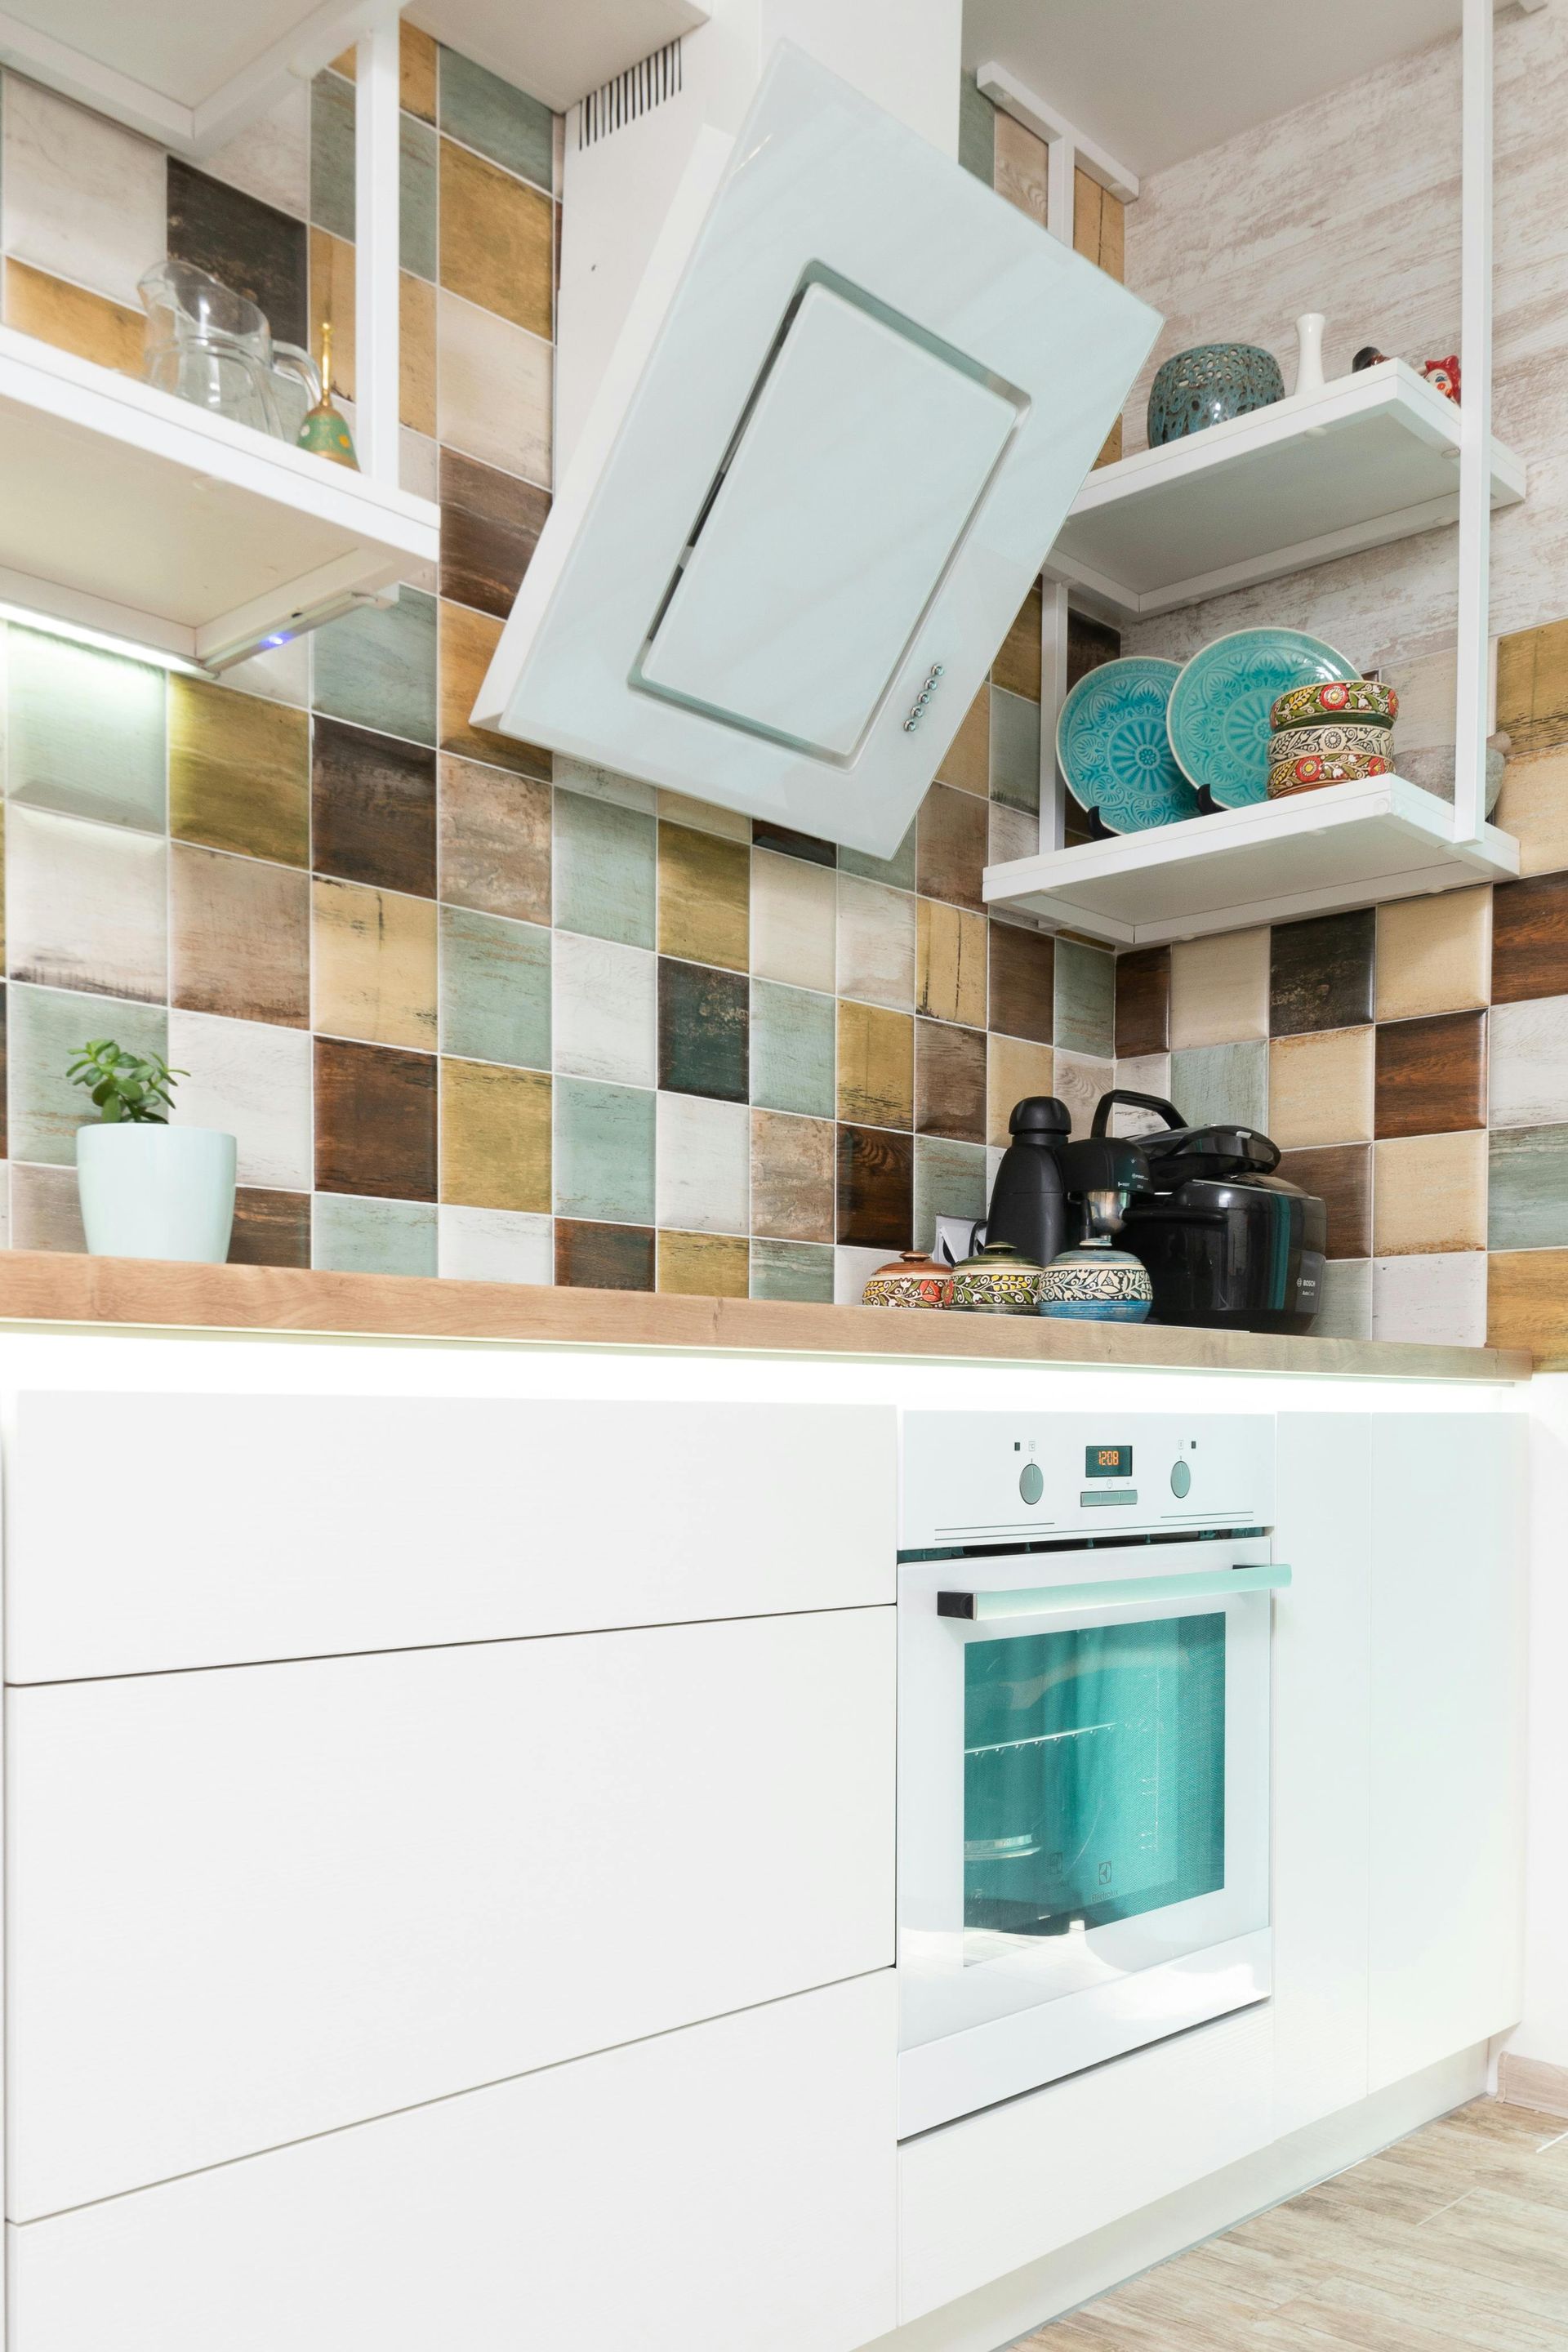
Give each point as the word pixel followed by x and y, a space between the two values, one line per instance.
pixel 473 1012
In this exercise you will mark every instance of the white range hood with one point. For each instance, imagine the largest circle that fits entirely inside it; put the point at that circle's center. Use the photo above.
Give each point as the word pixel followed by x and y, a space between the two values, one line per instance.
pixel 808 484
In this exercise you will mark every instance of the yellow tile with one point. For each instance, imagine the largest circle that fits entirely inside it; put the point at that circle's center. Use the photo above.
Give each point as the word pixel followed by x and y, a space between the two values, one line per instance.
pixel 1220 989
pixel 332 305
pixel 704 898
pixel 1435 955
pixel 1533 686
pixel 1112 235
pixel 497 240
pixel 1013 1068
pixel 1111 450
pixel 373 964
pixel 1020 170
pixel 704 1266
pixel 1533 807
pixel 876 1066
pixel 966 762
pixel 1087 196
pixel 417 354
pixel 418 76
pixel 1429 1192
pixel 1017 665
pixel 495 1137
pixel 704 816
pixel 1527 1304
pixel 72 319
pixel 950 963
pixel 239 772
pixel 467 639
pixel 1320 1088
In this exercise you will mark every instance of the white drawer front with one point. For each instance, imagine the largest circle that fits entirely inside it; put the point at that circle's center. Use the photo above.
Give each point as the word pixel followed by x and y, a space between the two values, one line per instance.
pixel 251 1904
pixel 725 2187
pixel 295 1527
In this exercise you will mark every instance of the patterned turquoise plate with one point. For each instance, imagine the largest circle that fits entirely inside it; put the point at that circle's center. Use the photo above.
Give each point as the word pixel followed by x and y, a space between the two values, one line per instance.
pixel 1218 714
pixel 1113 749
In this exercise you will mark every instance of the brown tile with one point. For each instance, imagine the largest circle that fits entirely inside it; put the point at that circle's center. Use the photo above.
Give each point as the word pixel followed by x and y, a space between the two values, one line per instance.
pixel 1533 686
pixel 73 319
pixel 1530 938
pixel 790 844
pixel 240 938
pixel 46 1213
pixel 418 62
pixel 875 1064
pixel 603 1257
pixel 1341 1176
pixel 1015 1066
pixel 1429 1193
pixel 792 1176
pixel 704 1031
pixel 951 842
pixel 494 832
pixel 270 1228
pixel 417 354
pixel 497 235
pixel 1527 1303
pixel 876 1188
pixel 704 898
pixel 1023 981
pixel 467 641
pixel 258 250
pixel 704 1266
pixel 1320 974
pixel 239 772
pixel 374 962
pixel 372 809
pixel 495 1137
pixel 1431 1075
pixel 950 1082
pixel 375 1121
pixel 1090 645
pixel 950 962
pixel 1143 1003
pixel 490 524
pixel 1017 665
pixel 332 305
pixel 966 762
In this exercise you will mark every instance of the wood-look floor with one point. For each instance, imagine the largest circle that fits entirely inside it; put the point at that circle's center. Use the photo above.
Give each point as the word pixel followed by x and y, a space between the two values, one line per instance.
pixel 1456 2236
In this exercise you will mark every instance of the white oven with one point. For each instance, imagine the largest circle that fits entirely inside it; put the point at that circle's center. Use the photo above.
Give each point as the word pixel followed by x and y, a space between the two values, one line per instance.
pixel 1084 1674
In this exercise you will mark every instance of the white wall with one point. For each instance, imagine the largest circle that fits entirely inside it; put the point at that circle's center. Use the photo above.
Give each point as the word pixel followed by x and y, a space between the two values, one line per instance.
pixel 1543 2035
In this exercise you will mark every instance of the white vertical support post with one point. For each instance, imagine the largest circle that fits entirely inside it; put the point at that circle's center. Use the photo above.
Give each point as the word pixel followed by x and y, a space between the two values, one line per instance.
pixel 1053 694
pixel 1475 424
pixel 375 250
pixel 1061 186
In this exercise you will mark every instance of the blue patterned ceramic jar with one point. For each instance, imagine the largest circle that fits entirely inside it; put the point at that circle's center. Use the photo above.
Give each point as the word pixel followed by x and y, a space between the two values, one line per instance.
pixel 1209 384
pixel 1097 1283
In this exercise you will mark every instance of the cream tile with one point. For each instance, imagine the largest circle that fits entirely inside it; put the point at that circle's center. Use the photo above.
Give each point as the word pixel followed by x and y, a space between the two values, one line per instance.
pixel 703 1183
pixel 1429 1195
pixel 373 964
pixel 679 808
pixel 1014 832
pixel 1142 1073
pixel 604 784
pixel 604 1010
pixel 493 389
pixel 1434 955
pixel 1013 1068
pixel 1429 692
pixel 271 158
pixel 1527 1063
pixel 794 921
pixel 852 1269
pixel 1080 1080
pixel 84 199
pixel 875 943
pixel 418 465
pixel 86 905
pixel 1220 989
pixel 495 1245
pixel 253 1081
pixel 1440 1300
pixel 1533 807
pixel 1321 1088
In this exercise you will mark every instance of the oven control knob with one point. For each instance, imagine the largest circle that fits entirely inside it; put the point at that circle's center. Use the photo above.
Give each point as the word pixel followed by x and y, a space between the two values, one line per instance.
pixel 1181 1480
pixel 1031 1482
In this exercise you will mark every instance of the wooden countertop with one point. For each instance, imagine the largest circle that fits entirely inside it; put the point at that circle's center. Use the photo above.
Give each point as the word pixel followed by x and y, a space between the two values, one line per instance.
pixel 45 1287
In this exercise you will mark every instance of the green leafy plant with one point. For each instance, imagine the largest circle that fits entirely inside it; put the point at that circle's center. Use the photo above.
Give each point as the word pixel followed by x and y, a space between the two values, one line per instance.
pixel 136 1086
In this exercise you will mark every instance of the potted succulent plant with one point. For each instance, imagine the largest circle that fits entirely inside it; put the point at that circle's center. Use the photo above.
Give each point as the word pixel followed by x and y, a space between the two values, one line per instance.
pixel 147 1189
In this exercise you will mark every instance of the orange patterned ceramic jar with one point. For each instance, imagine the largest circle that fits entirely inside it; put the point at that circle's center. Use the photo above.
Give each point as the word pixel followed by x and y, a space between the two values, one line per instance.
pixel 1338 702
pixel 911 1280
pixel 1312 771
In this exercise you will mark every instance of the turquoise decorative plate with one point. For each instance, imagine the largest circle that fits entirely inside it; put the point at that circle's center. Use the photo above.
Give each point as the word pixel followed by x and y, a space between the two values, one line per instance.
pixel 1219 711
pixel 1114 750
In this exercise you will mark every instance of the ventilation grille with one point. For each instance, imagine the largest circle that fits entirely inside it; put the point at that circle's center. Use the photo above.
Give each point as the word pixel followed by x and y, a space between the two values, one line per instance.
pixel 636 91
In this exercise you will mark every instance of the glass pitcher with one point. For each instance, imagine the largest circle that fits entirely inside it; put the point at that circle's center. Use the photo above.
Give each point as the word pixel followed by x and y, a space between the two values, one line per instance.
pixel 211 346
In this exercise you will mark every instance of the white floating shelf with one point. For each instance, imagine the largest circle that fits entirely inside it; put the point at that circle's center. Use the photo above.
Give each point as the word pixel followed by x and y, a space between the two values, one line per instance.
pixel 1316 854
pixel 1371 458
pixel 126 511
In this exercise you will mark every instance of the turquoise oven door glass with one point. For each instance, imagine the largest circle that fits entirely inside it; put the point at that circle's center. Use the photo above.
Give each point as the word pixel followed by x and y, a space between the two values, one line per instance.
pixel 1093 1775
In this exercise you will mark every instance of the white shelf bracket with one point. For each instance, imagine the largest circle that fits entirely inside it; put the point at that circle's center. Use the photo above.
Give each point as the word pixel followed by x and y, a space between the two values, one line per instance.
pixel 1472 715
pixel 377 160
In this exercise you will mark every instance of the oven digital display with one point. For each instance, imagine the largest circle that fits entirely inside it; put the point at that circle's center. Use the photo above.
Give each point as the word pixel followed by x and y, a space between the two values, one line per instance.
pixel 1108 1462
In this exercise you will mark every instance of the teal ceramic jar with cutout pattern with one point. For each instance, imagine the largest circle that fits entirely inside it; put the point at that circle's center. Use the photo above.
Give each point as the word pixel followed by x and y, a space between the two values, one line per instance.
pixel 1208 385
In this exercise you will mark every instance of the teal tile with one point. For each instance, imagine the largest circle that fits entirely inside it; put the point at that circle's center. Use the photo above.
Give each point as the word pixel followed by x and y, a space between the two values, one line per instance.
pixel 605 870
pixel 378 668
pixel 495 989
pixel 950 1181
pixel 1212 1084
pixel 977 130
pixel 418 165
pixel 352 1234
pixel 794 1049
pixel 800 1272
pixel 899 870
pixel 332 155
pixel 1015 750
pixel 85 732
pixel 499 120
pixel 1527 1189
pixel 1085 1010
pixel 46 1027
pixel 604 1152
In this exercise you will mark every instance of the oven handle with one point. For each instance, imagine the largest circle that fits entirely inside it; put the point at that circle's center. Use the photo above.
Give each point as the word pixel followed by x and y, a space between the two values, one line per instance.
pixel 1046 1600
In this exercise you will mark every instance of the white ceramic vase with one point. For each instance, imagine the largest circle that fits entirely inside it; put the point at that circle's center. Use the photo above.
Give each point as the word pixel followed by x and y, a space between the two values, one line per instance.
pixel 1310 351
pixel 156 1191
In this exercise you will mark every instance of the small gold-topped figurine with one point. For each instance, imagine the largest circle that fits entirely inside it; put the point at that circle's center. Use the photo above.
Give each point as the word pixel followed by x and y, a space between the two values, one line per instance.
pixel 325 430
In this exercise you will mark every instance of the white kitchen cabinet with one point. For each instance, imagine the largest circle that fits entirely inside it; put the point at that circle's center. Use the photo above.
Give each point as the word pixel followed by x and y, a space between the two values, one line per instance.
pixel 728 2187
pixel 248 1905
pixel 1448 1794
pixel 294 1525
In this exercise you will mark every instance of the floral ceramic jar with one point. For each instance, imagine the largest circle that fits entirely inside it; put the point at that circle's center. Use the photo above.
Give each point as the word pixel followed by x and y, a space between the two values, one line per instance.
pixel 1310 771
pixel 1336 702
pixel 1097 1283
pixel 998 1280
pixel 912 1279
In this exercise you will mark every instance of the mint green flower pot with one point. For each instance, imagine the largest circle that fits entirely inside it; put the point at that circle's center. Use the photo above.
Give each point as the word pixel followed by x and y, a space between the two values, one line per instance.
pixel 156 1191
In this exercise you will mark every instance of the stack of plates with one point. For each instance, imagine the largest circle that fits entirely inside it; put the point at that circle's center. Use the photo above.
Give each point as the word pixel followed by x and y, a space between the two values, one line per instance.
pixel 1334 734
